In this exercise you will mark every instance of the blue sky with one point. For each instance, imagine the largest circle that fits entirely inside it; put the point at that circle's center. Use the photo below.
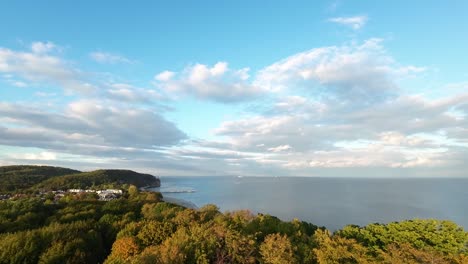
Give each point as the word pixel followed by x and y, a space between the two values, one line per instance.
pixel 303 88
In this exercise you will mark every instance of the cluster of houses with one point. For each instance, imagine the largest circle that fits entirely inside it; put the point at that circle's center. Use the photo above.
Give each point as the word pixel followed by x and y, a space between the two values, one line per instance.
pixel 104 195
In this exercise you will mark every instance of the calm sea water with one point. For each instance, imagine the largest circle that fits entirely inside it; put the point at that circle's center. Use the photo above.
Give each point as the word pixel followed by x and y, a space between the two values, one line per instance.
pixel 330 202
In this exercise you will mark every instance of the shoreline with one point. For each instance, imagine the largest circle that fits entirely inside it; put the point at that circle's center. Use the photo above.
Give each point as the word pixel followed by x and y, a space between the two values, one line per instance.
pixel 177 201
pixel 180 202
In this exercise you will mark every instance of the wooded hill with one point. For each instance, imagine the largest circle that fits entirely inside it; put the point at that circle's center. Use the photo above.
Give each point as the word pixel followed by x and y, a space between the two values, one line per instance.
pixel 28 178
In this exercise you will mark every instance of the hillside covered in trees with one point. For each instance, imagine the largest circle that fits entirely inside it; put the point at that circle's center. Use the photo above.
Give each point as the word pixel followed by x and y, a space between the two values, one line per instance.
pixel 28 178
pixel 20 177
pixel 139 227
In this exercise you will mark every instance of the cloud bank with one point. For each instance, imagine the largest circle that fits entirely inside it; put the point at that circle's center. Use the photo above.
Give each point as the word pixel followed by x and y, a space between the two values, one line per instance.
pixel 331 110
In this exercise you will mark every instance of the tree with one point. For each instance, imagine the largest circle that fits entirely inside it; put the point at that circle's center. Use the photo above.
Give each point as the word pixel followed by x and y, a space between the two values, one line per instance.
pixel 277 249
pixel 440 235
pixel 20 247
pixel 123 249
pixel 234 247
pixel 150 255
pixel 153 196
pixel 133 191
pixel 55 254
pixel 405 253
pixel 208 212
pixel 338 250
pixel 154 232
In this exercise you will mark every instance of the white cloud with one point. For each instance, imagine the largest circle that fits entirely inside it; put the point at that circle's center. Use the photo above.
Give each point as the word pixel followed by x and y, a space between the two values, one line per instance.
pixel 298 105
pixel 108 58
pixel 355 72
pixel 10 80
pixel 86 127
pixel 44 155
pixel 19 84
pixel 280 148
pixel 164 76
pixel 41 67
pixel 129 93
pixel 410 69
pixel 337 107
pixel 43 47
pixel 402 132
pixel 216 83
pixel 363 158
pixel 399 139
pixel 292 102
pixel 354 22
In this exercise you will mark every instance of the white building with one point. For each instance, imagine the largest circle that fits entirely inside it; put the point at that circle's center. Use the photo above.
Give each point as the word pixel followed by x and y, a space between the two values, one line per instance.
pixel 76 190
pixel 113 191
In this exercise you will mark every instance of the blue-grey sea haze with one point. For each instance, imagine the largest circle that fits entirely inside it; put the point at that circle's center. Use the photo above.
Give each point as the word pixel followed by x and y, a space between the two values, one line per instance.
pixel 330 202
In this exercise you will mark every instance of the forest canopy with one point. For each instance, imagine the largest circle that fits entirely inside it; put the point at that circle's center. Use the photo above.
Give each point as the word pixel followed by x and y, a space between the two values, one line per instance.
pixel 139 227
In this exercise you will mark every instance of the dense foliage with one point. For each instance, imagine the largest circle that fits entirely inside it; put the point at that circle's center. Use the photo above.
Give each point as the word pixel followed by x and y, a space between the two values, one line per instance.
pixel 97 178
pixel 20 177
pixel 138 227
pixel 76 229
pixel 29 178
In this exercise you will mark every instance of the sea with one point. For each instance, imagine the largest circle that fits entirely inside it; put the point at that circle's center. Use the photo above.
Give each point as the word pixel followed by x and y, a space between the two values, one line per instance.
pixel 329 202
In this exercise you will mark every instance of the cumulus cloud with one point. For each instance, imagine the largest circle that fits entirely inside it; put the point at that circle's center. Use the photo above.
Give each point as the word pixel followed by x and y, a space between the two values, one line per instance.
pixel 354 22
pixel 43 47
pixel 87 127
pixel 107 122
pixel 266 133
pixel 128 93
pixel 164 76
pixel 108 58
pixel 354 72
pixel 297 105
pixel 402 132
pixel 217 83
pixel 40 66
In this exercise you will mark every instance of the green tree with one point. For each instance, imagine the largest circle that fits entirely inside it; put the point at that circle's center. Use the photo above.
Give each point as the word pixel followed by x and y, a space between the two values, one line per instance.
pixel 153 197
pixel 441 235
pixel 277 249
pixel 405 253
pixel 339 250
pixel 155 232
pixel 133 191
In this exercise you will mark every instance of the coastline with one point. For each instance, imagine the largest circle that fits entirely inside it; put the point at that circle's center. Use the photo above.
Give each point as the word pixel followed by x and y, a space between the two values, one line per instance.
pixel 178 201
pixel 181 202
